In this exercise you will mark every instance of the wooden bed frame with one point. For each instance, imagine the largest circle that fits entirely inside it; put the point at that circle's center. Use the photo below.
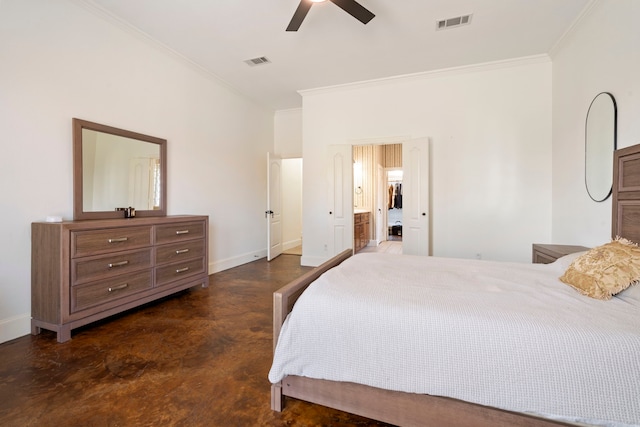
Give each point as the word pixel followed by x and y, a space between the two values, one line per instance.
pixel 409 409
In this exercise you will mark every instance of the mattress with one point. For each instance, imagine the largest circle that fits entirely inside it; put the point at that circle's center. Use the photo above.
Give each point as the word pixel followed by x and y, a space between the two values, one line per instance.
pixel 507 335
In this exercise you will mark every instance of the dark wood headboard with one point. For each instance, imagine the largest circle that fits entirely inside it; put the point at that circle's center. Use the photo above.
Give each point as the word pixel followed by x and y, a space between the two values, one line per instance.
pixel 625 219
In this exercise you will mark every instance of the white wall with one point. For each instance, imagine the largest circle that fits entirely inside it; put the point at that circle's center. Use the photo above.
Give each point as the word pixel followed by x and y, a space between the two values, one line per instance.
pixel 287 133
pixel 490 130
pixel 601 54
pixel 59 60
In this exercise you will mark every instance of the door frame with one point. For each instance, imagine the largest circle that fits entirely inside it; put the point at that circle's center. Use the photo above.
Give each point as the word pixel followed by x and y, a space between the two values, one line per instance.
pixel 347 191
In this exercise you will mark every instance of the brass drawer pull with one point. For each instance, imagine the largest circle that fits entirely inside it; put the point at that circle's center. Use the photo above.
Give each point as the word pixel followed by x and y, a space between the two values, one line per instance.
pixel 118 264
pixel 182 251
pixel 117 288
pixel 182 232
pixel 119 239
pixel 182 270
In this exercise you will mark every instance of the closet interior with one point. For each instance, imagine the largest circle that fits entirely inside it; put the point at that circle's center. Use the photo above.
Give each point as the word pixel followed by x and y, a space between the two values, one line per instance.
pixel 394 205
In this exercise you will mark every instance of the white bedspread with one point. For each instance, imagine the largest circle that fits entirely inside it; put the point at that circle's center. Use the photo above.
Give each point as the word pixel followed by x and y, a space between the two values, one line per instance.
pixel 506 335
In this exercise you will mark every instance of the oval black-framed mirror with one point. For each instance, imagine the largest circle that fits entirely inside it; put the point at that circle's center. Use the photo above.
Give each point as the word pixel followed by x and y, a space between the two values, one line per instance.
pixel 600 143
pixel 116 168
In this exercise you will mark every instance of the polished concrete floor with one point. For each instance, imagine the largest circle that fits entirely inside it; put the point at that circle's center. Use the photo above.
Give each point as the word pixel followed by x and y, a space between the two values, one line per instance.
pixel 199 358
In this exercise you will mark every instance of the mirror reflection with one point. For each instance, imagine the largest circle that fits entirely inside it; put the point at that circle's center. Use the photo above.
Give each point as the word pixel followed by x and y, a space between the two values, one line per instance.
pixel 119 172
pixel 600 143
pixel 115 168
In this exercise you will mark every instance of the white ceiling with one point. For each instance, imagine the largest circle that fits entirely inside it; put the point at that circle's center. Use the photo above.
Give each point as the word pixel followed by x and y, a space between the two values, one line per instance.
pixel 332 47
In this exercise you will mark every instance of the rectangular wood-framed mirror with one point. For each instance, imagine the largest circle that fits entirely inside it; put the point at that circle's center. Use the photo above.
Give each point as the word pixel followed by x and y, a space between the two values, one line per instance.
pixel 116 168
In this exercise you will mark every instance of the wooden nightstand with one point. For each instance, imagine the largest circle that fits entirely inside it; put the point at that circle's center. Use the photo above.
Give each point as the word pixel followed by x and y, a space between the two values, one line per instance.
pixel 545 254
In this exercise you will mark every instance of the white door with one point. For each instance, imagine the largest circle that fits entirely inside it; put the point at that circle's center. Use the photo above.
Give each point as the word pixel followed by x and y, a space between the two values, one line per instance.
pixel 340 203
pixel 274 206
pixel 415 197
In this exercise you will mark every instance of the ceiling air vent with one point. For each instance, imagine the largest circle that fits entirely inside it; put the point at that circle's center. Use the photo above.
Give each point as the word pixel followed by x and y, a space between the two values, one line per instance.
pixel 453 22
pixel 258 61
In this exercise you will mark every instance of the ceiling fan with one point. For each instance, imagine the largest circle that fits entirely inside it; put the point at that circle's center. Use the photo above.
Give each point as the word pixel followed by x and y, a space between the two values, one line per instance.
pixel 352 7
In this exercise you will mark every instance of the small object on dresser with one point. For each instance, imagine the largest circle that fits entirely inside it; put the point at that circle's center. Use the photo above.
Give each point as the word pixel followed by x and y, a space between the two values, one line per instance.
pixel 53 218
pixel 128 212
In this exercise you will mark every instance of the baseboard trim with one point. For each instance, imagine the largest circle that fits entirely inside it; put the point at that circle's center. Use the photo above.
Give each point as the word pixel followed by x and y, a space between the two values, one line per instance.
pixel 225 264
pixel 15 327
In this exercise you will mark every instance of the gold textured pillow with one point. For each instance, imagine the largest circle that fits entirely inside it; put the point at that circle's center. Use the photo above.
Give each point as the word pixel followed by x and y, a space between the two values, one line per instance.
pixel 605 270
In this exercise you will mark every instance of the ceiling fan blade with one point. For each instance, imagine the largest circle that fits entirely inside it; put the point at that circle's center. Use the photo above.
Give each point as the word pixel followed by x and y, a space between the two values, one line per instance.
pixel 298 16
pixel 355 9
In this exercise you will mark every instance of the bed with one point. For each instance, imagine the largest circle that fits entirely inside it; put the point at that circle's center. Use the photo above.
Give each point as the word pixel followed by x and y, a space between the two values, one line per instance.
pixel 489 351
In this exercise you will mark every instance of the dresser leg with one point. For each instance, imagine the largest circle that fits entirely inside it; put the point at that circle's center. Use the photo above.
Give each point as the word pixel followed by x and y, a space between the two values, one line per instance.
pixel 64 333
pixel 35 329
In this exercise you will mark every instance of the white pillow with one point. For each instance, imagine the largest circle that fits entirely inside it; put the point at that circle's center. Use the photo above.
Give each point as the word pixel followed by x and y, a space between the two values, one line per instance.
pixel 630 295
pixel 564 262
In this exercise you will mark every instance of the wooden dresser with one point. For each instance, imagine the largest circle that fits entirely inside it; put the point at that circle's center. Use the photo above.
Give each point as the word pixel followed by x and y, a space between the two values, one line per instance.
pixel 360 230
pixel 545 254
pixel 83 271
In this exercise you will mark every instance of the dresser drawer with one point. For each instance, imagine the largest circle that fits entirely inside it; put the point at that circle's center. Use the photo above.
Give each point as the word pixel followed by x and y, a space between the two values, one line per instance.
pixel 91 268
pixel 541 258
pixel 104 291
pixel 179 232
pixel 94 242
pixel 178 270
pixel 180 251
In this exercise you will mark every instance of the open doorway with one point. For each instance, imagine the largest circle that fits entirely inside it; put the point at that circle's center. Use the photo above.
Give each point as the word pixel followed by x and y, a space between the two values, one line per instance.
pixel 377 196
pixel 292 206
pixel 394 205
pixel 345 199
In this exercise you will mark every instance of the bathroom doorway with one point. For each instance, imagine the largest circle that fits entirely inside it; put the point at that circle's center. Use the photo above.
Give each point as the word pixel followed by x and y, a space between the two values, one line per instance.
pixel 377 189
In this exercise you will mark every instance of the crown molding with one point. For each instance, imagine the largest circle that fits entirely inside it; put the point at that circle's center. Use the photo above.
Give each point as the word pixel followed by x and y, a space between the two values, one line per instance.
pixel 586 11
pixel 445 72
